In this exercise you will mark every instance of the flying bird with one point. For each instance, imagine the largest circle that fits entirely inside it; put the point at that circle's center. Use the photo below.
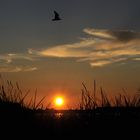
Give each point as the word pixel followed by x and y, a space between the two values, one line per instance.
pixel 56 16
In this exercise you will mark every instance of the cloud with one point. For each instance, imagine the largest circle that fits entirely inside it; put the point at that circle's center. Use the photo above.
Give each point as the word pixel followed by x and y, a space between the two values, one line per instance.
pixel 136 59
pixel 119 35
pixel 99 33
pixel 8 64
pixel 74 50
pixel 100 63
pixel 11 69
pixel 102 47
pixel 8 58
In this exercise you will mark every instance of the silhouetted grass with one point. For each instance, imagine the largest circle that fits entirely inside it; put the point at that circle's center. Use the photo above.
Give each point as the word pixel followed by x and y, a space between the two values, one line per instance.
pixel 12 94
pixel 91 101
pixel 97 113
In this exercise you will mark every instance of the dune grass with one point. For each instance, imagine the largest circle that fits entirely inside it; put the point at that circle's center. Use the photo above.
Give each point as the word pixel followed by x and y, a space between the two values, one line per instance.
pixel 90 101
pixel 12 98
pixel 11 94
pixel 95 113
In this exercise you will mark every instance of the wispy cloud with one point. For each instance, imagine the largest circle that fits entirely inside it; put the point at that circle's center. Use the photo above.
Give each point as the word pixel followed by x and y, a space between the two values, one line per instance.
pixel 102 47
pixel 16 69
pixel 137 59
pixel 119 35
pixel 74 50
pixel 8 58
pixel 7 62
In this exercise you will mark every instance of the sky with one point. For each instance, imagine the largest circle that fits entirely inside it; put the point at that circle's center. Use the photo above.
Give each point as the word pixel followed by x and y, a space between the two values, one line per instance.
pixel 95 40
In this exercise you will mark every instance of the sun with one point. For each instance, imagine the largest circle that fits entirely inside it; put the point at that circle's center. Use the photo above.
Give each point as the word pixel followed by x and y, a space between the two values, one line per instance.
pixel 59 101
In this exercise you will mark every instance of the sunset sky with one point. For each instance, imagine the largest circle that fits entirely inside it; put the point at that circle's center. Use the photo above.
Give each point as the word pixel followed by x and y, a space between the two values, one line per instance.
pixel 95 40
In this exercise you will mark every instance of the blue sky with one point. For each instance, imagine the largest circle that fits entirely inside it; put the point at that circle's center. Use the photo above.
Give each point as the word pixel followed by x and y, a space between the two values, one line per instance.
pixel 97 39
pixel 26 24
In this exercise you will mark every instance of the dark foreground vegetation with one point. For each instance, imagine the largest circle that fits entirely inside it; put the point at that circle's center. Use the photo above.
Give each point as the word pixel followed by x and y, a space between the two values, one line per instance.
pixel 94 118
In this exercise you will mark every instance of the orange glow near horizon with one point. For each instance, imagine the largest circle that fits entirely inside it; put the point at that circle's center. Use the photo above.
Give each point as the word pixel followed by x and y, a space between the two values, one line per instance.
pixel 59 101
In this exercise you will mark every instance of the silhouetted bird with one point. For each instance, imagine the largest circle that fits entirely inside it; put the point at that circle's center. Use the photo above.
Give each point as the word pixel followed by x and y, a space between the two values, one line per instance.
pixel 56 16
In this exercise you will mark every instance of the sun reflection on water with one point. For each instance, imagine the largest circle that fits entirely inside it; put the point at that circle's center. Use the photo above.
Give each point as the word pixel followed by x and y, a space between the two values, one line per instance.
pixel 58 115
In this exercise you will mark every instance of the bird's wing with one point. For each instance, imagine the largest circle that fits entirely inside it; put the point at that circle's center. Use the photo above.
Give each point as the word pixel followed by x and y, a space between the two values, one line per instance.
pixel 56 14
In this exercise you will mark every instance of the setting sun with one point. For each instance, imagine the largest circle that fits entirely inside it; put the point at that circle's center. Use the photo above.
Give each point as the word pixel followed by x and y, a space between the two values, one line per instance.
pixel 59 101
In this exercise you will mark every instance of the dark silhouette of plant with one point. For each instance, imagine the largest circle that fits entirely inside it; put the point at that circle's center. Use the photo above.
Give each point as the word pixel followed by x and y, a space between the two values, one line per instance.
pixel 90 101
pixel 11 94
